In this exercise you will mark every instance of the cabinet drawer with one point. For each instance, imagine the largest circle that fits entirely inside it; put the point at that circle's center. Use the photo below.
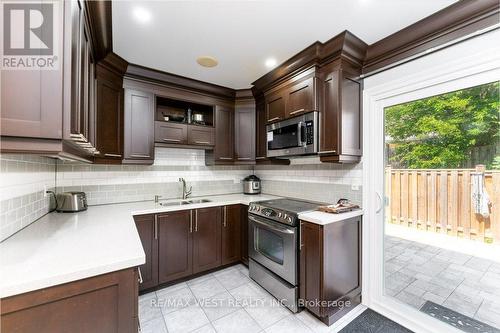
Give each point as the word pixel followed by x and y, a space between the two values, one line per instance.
pixel 171 133
pixel 301 98
pixel 203 136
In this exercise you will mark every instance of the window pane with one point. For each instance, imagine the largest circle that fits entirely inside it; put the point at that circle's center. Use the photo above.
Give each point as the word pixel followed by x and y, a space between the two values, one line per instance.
pixel 270 245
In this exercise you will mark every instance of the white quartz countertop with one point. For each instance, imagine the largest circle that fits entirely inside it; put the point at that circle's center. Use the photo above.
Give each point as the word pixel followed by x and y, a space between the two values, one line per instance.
pixel 65 247
pixel 323 218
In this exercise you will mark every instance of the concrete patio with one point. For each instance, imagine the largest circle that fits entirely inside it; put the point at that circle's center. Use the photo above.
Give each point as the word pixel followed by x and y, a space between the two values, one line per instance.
pixel 417 272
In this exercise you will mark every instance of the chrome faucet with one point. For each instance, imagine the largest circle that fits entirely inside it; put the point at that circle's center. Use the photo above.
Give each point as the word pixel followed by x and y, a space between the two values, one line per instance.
pixel 185 193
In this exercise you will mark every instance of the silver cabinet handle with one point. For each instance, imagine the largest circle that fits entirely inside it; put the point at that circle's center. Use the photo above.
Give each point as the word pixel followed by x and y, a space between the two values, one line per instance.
pixel 327 152
pixel 225 158
pixel 260 157
pixel 140 156
pixel 140 275
pixel 225 217
pixel 112 155
pixel 273 119
pixel 172 140
pixel 202 142
pixel 190 221
pixel 156 227
pixel 244 158
pixel 297 111
pixel 196 221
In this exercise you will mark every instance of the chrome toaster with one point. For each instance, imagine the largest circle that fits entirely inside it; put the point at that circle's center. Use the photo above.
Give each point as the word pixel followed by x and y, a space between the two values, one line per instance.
pixel 71 202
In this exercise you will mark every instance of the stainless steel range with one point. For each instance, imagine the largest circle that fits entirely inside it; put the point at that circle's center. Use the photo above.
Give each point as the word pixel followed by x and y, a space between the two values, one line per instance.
pixel 273 246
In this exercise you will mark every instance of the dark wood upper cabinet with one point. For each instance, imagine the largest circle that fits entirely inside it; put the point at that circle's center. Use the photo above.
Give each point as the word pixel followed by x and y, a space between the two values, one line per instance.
pixel 83 83
pixel 302 97
pixel 231 234
pixel 184 122
pixel 206 239
pixel 53 111
pixel 175 245
pixel 261 135
pixel 325 77
pixel 139 127
pixel 330 116
pixel 330 267
pixel 82 113
pixel 276 107
pixel 109 110
pixel 293 97
pixel 201 135
pixel 167 132
pixel 223 152
pixel 25 113
pixel 244 137
pixel 147 228
pixel 340 139
pixel 260 129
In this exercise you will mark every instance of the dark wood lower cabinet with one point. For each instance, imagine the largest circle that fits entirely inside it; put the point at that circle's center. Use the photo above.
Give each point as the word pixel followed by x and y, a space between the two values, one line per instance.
pixel 105 303
pixel 147 229
pixel 207 239
pixel 330 267
pixel 175 245
pixel 183 243
pixel 244 234
pixel 231 234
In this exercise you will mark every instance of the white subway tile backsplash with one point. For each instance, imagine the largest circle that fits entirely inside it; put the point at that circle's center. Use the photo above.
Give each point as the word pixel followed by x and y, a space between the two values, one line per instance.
pixel 124 183
pixel 309 179
pixel 24 178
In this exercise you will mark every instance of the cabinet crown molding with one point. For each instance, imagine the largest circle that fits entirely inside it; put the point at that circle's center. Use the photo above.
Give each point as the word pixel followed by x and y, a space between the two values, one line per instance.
pixel 156 76
pixel 115 63
pixel 344 45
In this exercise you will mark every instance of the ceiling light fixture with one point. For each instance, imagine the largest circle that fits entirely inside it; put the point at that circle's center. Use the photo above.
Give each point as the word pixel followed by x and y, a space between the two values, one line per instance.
pixel 142 15
pixel 207 61
pixel 271 62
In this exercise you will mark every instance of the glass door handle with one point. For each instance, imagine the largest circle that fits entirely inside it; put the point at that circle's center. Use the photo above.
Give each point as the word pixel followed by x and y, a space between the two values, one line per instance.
pixel 380 203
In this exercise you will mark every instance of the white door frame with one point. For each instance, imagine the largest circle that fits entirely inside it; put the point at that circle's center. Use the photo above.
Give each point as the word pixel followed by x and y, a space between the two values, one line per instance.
pixel 421 78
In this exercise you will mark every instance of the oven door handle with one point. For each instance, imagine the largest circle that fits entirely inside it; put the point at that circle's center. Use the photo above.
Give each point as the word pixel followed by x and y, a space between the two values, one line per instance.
pixel 270 226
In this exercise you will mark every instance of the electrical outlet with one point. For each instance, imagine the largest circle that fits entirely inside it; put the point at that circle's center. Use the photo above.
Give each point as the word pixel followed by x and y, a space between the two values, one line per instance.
pixel 355 187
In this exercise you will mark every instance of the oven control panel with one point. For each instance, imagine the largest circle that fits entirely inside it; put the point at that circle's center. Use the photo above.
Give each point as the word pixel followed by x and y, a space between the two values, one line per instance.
pixel 273 214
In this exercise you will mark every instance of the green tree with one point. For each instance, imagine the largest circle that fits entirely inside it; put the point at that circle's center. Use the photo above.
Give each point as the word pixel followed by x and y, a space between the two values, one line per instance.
pixel 439 131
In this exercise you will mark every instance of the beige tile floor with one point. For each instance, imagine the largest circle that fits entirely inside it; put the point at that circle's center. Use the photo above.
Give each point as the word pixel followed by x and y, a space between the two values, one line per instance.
pixel 226 301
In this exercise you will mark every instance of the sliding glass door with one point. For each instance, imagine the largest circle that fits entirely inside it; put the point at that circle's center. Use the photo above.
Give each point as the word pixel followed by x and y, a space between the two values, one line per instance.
pixel 442 212
pixel 431 191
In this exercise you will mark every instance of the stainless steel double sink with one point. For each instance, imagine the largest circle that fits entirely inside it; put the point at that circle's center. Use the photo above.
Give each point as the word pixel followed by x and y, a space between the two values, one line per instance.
pixel 184 202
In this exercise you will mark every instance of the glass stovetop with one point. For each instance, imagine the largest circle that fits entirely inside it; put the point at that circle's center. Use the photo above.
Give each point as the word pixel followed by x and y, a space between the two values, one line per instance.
pixel 291 205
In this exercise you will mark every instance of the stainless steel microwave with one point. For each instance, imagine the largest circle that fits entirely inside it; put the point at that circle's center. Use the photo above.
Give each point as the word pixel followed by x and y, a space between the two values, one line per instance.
pixel 294 136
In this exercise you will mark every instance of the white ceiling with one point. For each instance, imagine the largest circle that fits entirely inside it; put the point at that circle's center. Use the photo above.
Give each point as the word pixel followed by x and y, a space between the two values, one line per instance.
pixel 243 34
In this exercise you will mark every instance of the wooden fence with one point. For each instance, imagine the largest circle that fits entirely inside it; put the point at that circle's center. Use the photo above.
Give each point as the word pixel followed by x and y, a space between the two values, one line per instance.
pixel 440 201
